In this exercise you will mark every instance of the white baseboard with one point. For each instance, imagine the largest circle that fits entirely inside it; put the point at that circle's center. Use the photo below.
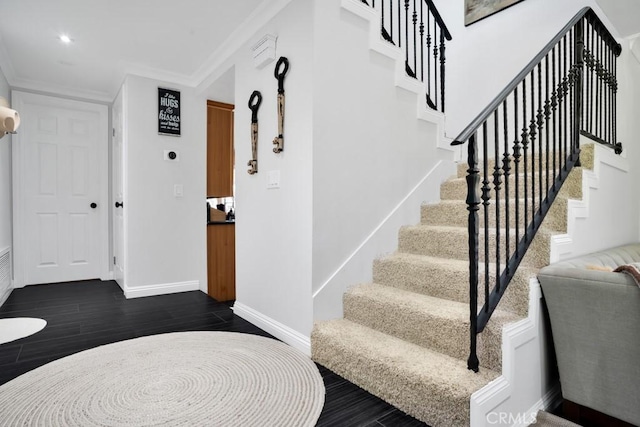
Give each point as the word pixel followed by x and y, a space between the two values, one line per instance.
pixel 5 295
pixel 160 289
pixel 284 333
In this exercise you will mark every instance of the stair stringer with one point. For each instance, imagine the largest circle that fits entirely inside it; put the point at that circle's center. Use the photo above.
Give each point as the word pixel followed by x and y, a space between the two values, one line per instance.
pixel 576 242
pixel 401 79
pixel 528 382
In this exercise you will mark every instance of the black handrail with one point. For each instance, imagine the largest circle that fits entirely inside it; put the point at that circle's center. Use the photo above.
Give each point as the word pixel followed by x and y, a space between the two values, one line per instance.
pixel 418 27
pixel 533 128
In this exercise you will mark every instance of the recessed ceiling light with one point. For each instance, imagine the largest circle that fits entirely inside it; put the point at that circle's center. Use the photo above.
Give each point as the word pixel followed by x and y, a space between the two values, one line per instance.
pixel 65 38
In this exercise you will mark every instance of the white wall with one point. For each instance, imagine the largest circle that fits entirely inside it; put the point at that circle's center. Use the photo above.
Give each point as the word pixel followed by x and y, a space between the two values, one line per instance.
pixel 165 235
pixel 274 226
pixel 370 151
pixel 485 56
pixel 5 191
pixel 5 177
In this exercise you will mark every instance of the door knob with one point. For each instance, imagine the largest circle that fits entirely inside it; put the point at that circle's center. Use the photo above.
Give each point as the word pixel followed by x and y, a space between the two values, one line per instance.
pixel 93 205
pixel 119 204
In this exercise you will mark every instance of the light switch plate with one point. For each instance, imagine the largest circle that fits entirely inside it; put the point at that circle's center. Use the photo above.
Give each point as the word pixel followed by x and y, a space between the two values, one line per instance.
pixel 178 190
pixel 273 179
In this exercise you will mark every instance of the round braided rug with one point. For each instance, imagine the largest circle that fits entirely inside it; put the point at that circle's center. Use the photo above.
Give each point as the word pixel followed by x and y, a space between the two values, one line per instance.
pixel 178 379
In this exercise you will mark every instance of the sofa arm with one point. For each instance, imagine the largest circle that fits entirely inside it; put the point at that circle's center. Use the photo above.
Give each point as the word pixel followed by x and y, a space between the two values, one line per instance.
pixel 595 322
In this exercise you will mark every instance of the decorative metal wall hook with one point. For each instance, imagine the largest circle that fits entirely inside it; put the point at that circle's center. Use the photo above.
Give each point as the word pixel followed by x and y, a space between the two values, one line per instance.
pixel 278 141
pixel 254 104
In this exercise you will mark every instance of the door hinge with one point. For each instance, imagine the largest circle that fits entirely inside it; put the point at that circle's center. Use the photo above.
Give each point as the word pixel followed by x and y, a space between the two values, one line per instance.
pixel 114 260
pixel 113 131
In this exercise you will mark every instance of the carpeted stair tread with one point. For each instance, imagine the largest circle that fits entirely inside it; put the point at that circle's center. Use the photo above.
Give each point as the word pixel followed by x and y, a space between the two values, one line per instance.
pixel 434 323
pixel 448 279
pixel 430 386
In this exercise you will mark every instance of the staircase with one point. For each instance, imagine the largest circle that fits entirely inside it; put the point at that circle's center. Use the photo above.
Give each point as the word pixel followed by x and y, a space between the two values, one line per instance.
pixel 405 337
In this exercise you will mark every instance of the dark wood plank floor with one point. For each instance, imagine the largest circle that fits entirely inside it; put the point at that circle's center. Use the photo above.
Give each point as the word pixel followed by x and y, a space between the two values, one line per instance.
pixel 83 315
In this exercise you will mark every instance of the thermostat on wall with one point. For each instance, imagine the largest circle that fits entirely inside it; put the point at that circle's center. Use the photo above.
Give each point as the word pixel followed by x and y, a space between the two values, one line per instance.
pixel 171 155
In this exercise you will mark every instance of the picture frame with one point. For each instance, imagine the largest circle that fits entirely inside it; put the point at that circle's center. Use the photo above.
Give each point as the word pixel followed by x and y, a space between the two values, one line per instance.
pixel 475 10
pixel 168 112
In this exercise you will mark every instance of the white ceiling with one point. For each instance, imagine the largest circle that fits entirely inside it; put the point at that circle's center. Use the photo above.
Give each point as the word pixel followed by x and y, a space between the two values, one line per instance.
pixel 181 41
pixel 173 40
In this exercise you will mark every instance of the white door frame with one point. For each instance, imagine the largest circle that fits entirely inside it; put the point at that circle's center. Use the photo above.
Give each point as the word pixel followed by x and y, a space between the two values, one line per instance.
pixel 118 115
pixel 19 99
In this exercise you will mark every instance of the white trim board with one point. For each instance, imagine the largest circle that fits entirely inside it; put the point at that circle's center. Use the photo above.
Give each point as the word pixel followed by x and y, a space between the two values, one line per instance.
pixel 284 333
pixel 524 373
pixel 160 289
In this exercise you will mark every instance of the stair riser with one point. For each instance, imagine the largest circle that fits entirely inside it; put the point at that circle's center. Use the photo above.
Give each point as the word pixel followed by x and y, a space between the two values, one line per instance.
pixel 457 215
pixel 534 163
pixel 453 244
pixel 450 284
pixel 456 189
pixel 586 159
pixel 444 335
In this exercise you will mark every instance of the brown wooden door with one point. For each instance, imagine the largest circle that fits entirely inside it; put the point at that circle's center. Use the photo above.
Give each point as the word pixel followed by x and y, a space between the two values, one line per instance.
pixel 221 261
pixel 219 149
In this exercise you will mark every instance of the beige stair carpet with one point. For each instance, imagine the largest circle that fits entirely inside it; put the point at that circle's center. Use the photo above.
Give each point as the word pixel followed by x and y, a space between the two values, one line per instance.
pixel 405 337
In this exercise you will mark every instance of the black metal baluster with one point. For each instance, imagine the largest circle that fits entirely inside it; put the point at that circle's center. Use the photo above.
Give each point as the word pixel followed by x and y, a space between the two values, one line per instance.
pixel 525 145
pixel 516 162
pixel 607 81
pixel 399 24
pixel 554 106
pixel 486 197
pixel 422 42
pixel 473 202
pixel 532 134
pixel 579 82
pixel 435 66
pixel 590 62
pixel 506 168
pixel 561 81
pixel 614 88
pixel 547 117
pixel 497 182
pixel 382 29
pixel 609 117
pixel 565 94
pixel 429 75
pixel 406 35
pixel 572 104
pixel 442 69
pixel 540 123
pixel 391 19
pixel 415 35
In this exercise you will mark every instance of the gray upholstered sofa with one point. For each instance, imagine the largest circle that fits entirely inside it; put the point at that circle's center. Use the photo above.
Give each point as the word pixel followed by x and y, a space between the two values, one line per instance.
pixel 595 321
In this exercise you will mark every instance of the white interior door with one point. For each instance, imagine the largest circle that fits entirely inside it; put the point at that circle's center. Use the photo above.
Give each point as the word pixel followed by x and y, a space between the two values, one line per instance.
pixel 118 189
pixel 60 190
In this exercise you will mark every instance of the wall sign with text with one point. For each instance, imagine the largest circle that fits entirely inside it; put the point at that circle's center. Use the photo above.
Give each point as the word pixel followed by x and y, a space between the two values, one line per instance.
pixel 168 112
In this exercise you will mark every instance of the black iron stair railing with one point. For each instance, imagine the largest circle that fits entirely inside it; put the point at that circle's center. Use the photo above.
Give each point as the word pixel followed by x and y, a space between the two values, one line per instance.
pixel 417 27
pixel 532 130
